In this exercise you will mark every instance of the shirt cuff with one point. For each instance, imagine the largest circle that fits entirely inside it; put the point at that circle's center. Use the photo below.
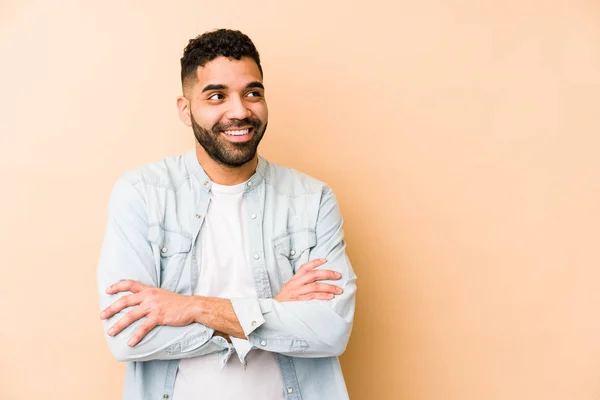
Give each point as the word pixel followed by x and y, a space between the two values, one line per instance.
pixel 242 348
pixel 249 314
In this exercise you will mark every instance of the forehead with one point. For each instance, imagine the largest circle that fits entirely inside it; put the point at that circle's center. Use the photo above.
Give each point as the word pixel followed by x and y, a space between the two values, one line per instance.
pixel 228 71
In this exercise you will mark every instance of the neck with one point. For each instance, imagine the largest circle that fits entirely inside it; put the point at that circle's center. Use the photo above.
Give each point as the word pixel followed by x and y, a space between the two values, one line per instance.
pixel 222 174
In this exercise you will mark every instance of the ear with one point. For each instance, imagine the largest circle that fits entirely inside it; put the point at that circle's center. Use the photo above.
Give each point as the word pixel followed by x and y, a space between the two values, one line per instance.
pixel 183 107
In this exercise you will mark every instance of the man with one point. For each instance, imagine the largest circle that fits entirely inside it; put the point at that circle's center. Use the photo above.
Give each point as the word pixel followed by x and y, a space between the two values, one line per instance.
pixel 223 276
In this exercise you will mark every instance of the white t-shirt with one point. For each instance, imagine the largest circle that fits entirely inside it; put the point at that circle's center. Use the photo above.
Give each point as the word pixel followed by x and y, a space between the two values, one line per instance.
pixel 225 272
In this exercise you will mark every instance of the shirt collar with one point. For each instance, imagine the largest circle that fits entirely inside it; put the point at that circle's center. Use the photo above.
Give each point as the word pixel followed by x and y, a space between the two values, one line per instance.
pixel 205 183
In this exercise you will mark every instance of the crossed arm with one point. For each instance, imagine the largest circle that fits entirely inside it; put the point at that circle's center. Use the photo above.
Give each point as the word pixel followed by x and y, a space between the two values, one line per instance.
pixel 144 322
pixel 162 307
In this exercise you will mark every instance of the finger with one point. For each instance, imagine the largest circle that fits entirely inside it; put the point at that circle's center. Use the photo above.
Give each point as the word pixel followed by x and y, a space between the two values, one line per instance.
pixel 311 265
pixel 320 275
pixel 125 286
pixel 317 296
pixel 121 304
pixel 318 287
pixel 129 318
pixel 141 333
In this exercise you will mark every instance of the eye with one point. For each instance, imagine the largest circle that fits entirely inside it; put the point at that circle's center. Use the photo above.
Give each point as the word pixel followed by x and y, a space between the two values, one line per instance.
pixel 216 96
pixel 254 93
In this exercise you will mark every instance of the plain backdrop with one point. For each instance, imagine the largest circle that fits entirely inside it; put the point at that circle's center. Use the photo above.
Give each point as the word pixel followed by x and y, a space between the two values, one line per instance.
pixel 461 138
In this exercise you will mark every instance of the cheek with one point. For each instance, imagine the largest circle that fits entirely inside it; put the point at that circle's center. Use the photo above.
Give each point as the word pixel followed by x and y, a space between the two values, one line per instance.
pixel 207 118
pixel 261 111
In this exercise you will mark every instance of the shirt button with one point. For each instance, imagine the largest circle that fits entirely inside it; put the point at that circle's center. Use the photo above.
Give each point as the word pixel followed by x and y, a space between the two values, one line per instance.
pixel 205 183
pixel 290 390
pixel 256 256
pixel 164 249
pixel 292 252
pixel 249 183
pixel 253 323
pixel 253 216
pixel 263 343
pixel 198 216
pixel 165 396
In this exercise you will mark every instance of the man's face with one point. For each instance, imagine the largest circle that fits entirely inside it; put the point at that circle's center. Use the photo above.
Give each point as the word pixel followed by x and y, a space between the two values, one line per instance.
pixel 228 110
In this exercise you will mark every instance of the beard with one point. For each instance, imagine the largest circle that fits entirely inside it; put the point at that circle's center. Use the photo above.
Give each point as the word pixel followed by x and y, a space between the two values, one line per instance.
pixel 221 150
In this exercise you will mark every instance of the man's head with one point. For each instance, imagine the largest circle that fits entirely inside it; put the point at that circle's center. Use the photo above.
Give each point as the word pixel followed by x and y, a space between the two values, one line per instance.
pixel 223 96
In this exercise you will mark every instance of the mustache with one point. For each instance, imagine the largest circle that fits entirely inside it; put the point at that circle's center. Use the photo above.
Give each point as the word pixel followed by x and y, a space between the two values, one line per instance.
pixel 236 123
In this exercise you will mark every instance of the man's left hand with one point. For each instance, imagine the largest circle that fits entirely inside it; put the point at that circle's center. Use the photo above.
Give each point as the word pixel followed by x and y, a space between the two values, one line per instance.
pixel 159 306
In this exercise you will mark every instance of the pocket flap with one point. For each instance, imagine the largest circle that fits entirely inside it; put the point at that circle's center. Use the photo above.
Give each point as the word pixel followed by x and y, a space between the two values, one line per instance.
pixel 169 242
pixel 294 244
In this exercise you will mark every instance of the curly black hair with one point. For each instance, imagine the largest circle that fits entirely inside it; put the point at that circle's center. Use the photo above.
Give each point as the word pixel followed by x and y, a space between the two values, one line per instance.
pixel 210 45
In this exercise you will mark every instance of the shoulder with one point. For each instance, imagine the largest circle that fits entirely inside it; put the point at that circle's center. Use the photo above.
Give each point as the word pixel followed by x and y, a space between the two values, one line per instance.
pixel 168 173
pixel 291 182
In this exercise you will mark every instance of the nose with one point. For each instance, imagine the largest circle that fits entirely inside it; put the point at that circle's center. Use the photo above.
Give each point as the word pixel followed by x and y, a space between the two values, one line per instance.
pixel 237 109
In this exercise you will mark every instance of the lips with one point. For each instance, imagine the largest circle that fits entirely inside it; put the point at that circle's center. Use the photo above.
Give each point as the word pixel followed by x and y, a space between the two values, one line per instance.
pixel 238 135
pixel 237 132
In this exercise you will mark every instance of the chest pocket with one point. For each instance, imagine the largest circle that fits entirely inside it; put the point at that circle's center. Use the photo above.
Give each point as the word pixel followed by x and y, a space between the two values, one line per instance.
pixel 173 248
pixel 292 250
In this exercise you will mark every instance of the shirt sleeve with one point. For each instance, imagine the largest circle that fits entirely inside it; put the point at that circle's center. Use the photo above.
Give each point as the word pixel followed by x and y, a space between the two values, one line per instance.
pixel 127 254
pixel 316 328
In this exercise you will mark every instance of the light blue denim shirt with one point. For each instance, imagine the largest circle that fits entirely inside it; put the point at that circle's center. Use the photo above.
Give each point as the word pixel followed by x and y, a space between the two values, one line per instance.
pixel 152 236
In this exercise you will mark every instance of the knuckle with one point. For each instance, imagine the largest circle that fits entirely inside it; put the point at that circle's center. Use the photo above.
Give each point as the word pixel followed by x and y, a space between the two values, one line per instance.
pixel 150 319
pixel 130 315
pixel 312 276
pixel 123 301
pixel 118 305
pixel 147 327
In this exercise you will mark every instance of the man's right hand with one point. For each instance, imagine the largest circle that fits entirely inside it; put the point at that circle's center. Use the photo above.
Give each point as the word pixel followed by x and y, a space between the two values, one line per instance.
pixel 304 284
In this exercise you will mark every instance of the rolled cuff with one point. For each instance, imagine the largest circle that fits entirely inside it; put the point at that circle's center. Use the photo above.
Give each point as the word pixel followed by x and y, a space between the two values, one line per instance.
pixel 249 313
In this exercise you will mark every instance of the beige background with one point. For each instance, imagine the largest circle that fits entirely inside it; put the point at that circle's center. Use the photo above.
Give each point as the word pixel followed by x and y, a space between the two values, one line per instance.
pixel 460 138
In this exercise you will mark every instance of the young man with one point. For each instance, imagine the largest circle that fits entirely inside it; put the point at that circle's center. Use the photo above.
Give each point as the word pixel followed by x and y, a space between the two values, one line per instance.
pixel 223 276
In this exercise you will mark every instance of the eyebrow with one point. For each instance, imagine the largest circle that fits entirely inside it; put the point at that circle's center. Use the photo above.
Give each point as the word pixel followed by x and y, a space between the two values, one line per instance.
pixel 214 87
pixel 251 85
pixel 255 84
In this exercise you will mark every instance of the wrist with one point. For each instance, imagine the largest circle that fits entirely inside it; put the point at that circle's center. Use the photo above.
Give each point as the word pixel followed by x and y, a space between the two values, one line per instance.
pixel 198 308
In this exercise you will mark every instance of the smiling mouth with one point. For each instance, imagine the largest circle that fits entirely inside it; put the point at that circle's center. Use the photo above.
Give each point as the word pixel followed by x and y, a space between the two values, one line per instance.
pixel 237 132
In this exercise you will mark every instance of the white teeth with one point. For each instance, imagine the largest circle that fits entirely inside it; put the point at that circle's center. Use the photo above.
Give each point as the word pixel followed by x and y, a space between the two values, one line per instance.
pixel 237 133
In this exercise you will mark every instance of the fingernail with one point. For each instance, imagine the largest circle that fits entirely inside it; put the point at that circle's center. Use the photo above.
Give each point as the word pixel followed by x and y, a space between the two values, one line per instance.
pixel 111 331
pixel 338 290
pixel 131 342
pixel 108 289
pixel 330 296
pixel 324 260
pixel 102 314
pixel 338 275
